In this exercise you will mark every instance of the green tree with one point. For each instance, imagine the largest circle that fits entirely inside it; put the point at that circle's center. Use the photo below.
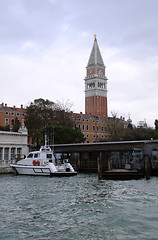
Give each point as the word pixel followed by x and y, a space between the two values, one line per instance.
pixel 62 134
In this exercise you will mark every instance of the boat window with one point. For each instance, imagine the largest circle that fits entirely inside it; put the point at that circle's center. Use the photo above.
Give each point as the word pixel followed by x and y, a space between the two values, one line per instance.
pixel 36 155
pixel 49 155
pixel 30 155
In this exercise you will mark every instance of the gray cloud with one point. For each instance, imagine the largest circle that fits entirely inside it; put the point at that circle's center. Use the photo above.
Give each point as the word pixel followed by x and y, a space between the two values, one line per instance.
pixel 50 41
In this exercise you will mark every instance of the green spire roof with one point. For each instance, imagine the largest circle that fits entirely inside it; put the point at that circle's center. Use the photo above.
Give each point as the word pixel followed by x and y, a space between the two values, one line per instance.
pixel 95 56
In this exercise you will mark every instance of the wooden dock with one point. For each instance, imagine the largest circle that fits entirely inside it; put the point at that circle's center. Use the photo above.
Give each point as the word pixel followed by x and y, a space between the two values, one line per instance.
pixel 122 174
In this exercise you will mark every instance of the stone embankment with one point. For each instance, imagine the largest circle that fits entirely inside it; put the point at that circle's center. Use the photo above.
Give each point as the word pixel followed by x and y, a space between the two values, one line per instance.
pixel 5 170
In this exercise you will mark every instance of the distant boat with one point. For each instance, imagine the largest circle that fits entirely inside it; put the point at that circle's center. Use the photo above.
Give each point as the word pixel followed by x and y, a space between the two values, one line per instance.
pixel 43 163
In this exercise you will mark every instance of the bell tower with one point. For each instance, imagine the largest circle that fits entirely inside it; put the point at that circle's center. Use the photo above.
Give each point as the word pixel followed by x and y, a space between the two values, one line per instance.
pixel 96 84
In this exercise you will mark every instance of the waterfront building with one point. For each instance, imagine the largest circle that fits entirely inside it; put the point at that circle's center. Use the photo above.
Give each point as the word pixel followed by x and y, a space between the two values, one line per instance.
pixel 12 145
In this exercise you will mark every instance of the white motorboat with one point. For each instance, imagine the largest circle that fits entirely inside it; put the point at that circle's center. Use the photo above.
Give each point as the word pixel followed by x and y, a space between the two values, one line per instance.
pixel 43 163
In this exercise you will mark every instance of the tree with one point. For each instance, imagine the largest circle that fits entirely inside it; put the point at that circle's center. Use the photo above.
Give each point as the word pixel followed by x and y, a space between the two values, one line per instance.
pixel 37 116
pixel 6 128
pixel 16 125
pixel 62 114
pixel 115 128
pixel 62 134
pixel 41 113
pixel 156 124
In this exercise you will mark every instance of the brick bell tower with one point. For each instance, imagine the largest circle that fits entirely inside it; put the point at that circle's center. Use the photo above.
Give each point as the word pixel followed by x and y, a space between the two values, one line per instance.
pixel 96 84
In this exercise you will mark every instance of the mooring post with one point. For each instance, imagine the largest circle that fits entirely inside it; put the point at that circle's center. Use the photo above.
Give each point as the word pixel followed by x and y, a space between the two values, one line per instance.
pixel 100 170
pixel 147 167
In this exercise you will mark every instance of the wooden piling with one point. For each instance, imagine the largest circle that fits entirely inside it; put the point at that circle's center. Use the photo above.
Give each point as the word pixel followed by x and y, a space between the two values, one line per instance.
pixel 100 166
pixel 147 167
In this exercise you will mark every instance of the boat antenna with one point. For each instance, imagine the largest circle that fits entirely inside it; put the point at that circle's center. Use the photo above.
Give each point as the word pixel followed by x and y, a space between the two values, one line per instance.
pixel 53 137
pixel 45 141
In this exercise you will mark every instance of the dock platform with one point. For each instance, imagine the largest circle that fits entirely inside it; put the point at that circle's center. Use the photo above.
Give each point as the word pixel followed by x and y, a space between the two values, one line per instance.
pixel 122 174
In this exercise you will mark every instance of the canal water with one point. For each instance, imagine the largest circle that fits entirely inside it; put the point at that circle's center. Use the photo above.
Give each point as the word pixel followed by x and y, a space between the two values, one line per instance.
pixel 79 207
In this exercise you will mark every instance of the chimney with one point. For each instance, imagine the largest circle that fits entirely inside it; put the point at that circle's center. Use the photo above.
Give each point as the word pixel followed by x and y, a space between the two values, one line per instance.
pixel 5 105
pixel 22 106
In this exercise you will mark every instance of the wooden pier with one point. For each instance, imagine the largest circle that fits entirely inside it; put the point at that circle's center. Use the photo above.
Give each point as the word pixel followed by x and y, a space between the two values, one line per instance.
pixel 111 159
pixel 122 174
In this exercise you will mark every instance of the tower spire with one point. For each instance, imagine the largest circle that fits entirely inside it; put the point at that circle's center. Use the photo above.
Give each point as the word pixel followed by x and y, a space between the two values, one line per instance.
pixel 95 56
pixel 96 83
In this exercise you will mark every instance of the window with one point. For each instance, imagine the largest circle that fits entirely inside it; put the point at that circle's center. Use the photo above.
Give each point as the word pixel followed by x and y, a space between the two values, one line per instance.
pixel 18 114
pixel 12 114
pixel 102 128
pixel 36 155
pixel 19 150
pixel 87 135
pixel 97 128
pixel 12 121
pixel 6 121
pixel 49 155
pixel 83 120
pixel 79 126
pixel 93 128
pixel 6 154
pixel 83 127
pixel 87 127
pixel 87 141
pixel 94 136
pixel 1 153
pixel 12 153
pixel 6 113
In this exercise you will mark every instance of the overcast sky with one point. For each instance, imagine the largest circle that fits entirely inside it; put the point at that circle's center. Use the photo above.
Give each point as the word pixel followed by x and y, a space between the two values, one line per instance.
pixel 45 46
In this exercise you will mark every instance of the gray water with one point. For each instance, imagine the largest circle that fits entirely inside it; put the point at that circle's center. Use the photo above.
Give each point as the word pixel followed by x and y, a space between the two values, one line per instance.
pixel 79 207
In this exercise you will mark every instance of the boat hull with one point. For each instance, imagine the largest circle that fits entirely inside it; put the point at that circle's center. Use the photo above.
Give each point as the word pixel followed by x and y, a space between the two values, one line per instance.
pixel 39 171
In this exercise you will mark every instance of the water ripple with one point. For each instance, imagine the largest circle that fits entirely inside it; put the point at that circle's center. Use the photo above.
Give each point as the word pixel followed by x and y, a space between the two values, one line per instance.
pixel 79 207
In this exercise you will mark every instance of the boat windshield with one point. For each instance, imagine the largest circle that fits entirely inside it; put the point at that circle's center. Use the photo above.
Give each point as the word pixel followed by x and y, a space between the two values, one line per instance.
pixel 30 155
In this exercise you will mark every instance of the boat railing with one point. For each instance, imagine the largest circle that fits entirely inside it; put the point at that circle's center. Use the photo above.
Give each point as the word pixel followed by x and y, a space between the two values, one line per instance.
pixel 19 157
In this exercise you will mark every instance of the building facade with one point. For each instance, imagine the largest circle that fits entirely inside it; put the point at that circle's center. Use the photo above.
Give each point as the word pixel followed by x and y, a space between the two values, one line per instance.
pixel 8 115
